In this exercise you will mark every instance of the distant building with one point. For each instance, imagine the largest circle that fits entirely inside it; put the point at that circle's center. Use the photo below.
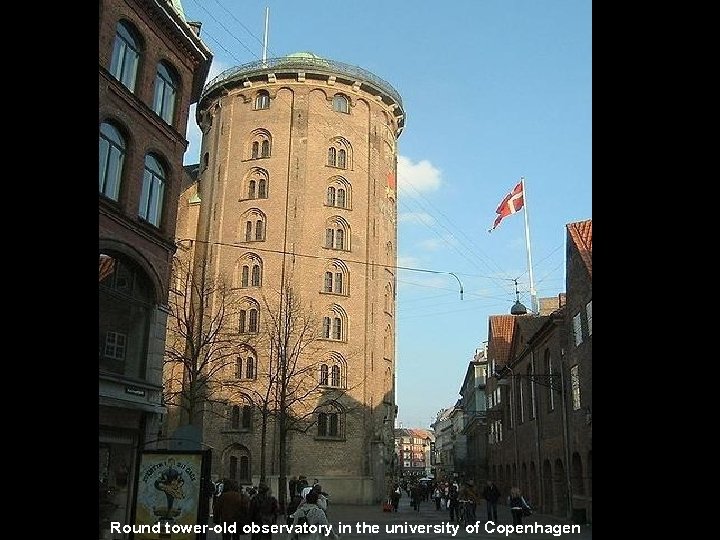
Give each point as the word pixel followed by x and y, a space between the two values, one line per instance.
pixel 578 362
pixel 414 450
pixel 152 67
pixel 474 405
pixel 540 393
pixel 450 442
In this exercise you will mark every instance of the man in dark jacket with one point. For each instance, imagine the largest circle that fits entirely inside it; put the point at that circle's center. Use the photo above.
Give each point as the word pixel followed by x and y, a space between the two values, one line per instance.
pixel 491 494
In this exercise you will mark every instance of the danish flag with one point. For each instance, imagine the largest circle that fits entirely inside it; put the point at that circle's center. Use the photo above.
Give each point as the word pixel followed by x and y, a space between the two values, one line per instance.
pixel 513 202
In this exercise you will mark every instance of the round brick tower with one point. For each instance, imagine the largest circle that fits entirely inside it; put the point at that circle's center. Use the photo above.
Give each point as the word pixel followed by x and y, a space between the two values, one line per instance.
pixel 296 190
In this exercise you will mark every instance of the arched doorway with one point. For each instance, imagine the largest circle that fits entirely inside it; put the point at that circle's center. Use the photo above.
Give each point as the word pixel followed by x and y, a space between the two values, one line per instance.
pixel 560 489
pixel 533 489
pixel 547 483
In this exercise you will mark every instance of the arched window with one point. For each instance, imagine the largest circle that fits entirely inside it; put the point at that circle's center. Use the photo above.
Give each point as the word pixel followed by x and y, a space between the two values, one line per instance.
pixel 112 157
pixel 339 153
pixel 250 368
pixel 335 376
pixel 253 324
pixel 235 417
pixel 330 421
pixel 246 416
pixel 239 368
pixel 340 103
pixel 126 55
pixel 550 397
pixel 245 276
pixel 126 306
pixel 328 282
pixel 337 234
pixel 335 324
pixel 253 222
pixel 166 88
pixel 256 183
pixel 244 469
pixel 153 189
pixel 262 100
pixel 265 149
pixel 324 374
pixel 248 316
pixel 256 275
pixel 233 467
pixel 255 149
pixel 338 193
pixel 337 328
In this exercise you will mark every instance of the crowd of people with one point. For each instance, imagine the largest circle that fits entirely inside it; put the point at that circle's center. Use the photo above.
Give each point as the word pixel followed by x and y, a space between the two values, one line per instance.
pixel 233 505
pixel 459 500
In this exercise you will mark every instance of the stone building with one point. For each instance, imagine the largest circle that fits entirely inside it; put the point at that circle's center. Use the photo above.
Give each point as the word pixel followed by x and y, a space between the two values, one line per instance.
pixel 474 404
pixel 414 450
pixel 295 200
pixel 578 362
pixel 152 67
pixel 540 394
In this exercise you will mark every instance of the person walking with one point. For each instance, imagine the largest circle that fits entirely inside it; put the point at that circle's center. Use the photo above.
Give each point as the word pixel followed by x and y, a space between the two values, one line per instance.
pixel 231 508
pixel 491 494
pixel 312 514
pixel 453 503
pixel 469 494
pixel 264 510
pixel 395 497
pixel 517 505
pixel 437 497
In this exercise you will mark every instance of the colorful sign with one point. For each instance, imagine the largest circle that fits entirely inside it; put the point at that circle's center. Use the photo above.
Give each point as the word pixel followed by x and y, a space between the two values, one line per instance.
pixel 168 495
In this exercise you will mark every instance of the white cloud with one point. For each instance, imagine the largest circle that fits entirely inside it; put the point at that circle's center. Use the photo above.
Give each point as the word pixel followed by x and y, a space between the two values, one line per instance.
pixel 417 177
pixel 408 261
pixel 416 217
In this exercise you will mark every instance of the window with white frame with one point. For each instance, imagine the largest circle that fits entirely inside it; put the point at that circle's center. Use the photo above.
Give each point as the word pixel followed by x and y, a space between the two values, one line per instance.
pixel 262 100
pixel 166 89
pixel 112 157
pixel 341 103
pixel 115 344
pixel 126 55
pixel 575 385
pixel 153 190
pixel 577 329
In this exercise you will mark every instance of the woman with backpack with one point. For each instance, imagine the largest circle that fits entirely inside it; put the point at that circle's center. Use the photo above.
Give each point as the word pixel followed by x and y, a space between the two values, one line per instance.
pixel 312 514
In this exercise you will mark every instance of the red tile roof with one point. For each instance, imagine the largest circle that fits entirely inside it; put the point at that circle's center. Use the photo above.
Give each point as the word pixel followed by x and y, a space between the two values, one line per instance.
pixel 581 234
pixel 501 333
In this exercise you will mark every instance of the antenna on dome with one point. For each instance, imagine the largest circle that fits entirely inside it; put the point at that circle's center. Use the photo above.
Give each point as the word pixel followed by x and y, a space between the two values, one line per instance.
pixel 265 37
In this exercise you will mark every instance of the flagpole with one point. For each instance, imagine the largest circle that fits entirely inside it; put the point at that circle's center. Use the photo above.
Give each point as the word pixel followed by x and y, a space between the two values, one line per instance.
pixel 533 294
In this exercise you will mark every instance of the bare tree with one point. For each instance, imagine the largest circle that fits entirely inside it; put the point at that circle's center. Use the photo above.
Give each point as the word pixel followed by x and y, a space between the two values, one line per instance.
pixel 289 382
pixel 201 342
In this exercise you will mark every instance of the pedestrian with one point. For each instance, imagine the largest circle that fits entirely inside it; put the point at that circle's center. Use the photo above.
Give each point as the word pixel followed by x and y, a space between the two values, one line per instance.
pixel 395 497
pixel 453 502
pixel 415 496
pixel 231 508
pixel 469 494
pixel 437 497
pixel 312 514
pixel 264 510
pixel 518 505
pixel 491 494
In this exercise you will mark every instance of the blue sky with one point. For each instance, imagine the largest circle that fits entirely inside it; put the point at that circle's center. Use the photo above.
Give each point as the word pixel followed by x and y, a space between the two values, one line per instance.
pixel 493 90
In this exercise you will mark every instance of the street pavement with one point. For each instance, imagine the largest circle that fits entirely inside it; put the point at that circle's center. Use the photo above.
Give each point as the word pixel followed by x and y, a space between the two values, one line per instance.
pixel 438 520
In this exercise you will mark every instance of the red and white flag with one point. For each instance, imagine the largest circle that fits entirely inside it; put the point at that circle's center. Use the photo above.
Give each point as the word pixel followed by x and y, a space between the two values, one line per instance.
pixel 513 202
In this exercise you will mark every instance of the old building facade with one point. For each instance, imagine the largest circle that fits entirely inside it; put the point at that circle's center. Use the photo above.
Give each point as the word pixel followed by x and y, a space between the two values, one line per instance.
pixel 295 200
pixel 414 447
pixel 578 362
pixel 474 405
pixel 152 66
